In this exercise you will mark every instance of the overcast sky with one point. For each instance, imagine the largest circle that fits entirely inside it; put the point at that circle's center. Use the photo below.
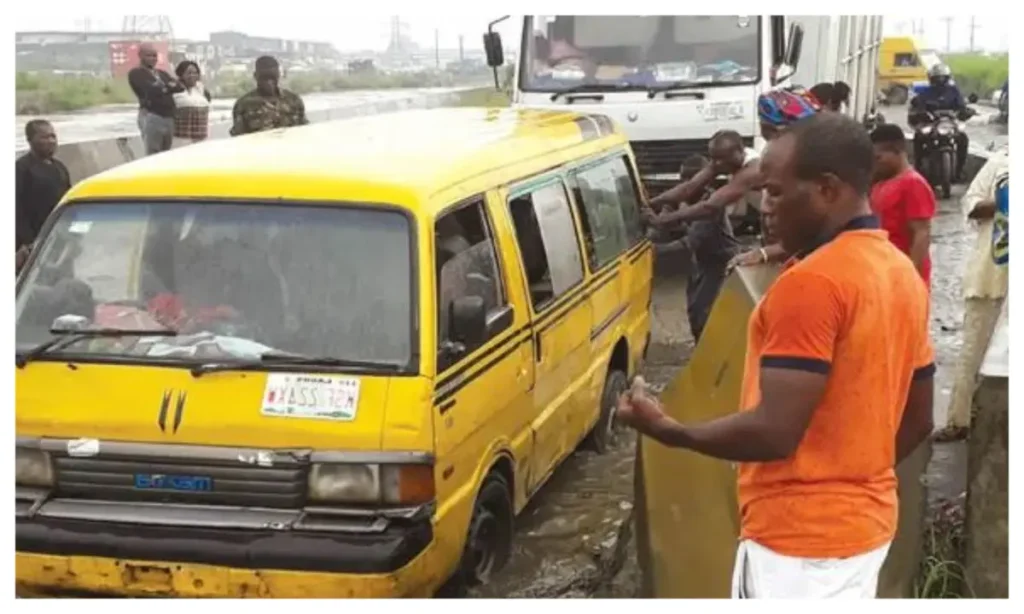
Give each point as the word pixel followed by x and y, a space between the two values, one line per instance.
pixel 366 32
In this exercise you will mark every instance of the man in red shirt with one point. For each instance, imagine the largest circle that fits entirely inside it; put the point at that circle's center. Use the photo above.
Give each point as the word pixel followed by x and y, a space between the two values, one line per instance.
pixel 902 199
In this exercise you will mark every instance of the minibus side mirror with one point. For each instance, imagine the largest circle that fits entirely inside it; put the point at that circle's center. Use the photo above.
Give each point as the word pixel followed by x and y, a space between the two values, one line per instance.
pixel 973 99
pixel 468 320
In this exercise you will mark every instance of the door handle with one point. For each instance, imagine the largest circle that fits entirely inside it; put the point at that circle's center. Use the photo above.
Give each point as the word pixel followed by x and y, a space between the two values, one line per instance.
pixel 537 348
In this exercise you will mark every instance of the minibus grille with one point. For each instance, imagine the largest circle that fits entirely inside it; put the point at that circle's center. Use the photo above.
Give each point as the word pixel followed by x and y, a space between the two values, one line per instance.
pixel 654 158
pixel 175 481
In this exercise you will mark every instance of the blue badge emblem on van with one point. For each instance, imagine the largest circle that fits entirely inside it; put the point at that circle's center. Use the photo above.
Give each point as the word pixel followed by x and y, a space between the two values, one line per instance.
pixel 182 483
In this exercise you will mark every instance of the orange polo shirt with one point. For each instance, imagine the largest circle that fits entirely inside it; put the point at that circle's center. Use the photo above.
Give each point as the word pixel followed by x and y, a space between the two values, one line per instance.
pixel 855 309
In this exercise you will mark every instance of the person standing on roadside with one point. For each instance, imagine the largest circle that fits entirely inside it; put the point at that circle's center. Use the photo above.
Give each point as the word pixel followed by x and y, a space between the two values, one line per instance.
pixel 711 245
pixel 269 106
pixel 191 106
pixel 986 280
pixel 837 386
pixel 777 110
pixel 155 90
pixel 902 198
pixel 41 180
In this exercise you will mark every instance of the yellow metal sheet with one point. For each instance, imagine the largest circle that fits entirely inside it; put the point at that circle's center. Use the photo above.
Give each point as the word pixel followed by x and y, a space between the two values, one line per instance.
pixel 687 511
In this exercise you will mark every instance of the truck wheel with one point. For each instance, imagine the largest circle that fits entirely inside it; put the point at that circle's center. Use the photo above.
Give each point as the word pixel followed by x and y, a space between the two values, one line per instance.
pixel 489 540
pixel 600 437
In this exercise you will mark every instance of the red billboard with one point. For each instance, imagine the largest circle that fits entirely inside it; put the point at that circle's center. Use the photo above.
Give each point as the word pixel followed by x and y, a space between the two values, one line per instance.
pixel 124 56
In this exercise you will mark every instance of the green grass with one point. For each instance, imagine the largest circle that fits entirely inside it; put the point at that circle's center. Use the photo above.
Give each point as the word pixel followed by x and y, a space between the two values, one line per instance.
pixel 942 573
pixel 483 97
pixel 38 94
pixel 979 74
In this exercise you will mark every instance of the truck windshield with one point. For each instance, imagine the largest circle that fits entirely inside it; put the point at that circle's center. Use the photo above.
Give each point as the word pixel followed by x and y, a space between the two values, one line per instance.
pixel 233 281
pixel 620 51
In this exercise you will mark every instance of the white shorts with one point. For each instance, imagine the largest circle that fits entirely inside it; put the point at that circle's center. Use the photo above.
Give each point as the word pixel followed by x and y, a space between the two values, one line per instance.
pixel 763 574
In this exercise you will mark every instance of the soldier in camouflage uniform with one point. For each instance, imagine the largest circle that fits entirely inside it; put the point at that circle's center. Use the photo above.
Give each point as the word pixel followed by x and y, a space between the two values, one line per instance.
pixel 268 106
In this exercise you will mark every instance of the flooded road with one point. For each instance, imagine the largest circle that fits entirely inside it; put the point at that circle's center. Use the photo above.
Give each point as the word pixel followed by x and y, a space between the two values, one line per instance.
pixel 574 540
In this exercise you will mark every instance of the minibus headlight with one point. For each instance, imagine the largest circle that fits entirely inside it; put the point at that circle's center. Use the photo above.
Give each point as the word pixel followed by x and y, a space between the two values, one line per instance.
pixel 371 483
pixel 32 468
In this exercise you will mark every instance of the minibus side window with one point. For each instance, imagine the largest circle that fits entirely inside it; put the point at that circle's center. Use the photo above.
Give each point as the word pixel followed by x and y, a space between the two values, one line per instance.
pixel 609 210
pixel 467 265
pixel 628 189
pixel 548 243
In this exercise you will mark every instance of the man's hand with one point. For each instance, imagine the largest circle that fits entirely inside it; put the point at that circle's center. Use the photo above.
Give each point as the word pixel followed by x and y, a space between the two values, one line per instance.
pixel 754 256
pixel 20 257
pixel 985 210
pixel 639 410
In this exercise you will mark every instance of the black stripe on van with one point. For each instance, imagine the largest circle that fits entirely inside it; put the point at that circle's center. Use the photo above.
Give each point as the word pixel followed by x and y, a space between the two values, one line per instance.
pixel 555 312
pixel 452 383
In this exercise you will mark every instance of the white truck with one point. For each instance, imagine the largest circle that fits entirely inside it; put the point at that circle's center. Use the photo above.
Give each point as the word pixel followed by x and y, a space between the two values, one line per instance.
pixel 673 81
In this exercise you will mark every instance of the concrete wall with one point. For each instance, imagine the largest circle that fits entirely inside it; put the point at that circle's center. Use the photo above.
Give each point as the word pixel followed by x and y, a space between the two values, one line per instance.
pixel 87 158
pixel 987 551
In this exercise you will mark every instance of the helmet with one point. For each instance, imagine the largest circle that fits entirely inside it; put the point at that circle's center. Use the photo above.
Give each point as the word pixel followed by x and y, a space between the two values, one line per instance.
pixel 939 75
pixel 781 107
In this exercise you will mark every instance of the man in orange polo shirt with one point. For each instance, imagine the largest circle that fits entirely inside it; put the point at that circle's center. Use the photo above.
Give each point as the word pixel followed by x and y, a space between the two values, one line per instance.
pixel 838 380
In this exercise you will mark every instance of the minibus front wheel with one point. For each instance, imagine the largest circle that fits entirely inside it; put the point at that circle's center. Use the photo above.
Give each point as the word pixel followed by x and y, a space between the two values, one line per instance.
pixel 489 540
pixel 600 438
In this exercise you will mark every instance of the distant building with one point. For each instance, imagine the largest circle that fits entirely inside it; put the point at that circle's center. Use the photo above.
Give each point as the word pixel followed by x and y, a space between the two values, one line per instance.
pixel 239 44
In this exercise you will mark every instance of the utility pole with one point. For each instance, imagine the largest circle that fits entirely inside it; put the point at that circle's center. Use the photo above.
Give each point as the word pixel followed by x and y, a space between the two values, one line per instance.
pixel 974 28
pixel 437 48
pixel 949 33
pixel 462 48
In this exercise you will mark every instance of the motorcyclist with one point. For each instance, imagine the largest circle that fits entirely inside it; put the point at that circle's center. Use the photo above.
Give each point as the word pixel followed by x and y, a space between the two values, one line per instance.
pixel 941 94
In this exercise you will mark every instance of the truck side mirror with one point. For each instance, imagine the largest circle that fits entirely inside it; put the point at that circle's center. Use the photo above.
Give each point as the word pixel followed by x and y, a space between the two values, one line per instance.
pixel 795 45
pixel 494 50
pixel 778 40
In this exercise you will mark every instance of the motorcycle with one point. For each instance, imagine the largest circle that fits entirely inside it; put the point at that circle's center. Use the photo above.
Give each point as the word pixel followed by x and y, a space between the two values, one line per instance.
pixel 939 161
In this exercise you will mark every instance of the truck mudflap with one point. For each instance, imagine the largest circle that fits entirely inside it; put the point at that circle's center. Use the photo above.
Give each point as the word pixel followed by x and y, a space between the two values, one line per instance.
pixel 686 506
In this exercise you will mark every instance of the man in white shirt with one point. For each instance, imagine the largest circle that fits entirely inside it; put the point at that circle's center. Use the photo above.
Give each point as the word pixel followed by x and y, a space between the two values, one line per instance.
pixel 985 284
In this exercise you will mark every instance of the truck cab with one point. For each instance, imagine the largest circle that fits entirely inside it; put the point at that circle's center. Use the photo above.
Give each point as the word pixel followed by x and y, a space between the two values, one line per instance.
pixel 670 81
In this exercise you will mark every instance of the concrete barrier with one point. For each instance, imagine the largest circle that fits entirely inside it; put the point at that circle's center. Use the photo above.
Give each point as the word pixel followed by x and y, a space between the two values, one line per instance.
pixel 686 508
pixel 87 158
pixel 988 523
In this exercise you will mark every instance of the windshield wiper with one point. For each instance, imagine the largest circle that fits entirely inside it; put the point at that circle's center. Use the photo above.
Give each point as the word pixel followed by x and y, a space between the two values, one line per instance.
pixel 276 358
pixel 63 338
pixel 676 86
pixel 595 88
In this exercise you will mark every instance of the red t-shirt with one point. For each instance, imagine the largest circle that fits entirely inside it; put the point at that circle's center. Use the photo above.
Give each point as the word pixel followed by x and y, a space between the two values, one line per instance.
pixel 896 202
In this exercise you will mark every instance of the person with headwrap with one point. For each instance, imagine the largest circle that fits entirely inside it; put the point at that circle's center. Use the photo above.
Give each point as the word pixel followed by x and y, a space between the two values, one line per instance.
pixel 776 111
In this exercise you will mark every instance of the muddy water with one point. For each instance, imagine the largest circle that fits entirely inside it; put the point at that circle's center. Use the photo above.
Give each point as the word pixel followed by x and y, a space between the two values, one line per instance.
pixel 574 539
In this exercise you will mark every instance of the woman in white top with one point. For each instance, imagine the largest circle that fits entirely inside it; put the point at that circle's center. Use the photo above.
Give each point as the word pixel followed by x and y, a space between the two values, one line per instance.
pixel 192 107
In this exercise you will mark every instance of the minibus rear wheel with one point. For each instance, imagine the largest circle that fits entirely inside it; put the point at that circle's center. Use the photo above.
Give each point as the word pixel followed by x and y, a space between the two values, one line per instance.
pixel 600 438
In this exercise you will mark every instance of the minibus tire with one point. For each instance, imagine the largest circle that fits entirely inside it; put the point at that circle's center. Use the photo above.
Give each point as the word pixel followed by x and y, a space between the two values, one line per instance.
pixel 600 437
pixel 489 538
